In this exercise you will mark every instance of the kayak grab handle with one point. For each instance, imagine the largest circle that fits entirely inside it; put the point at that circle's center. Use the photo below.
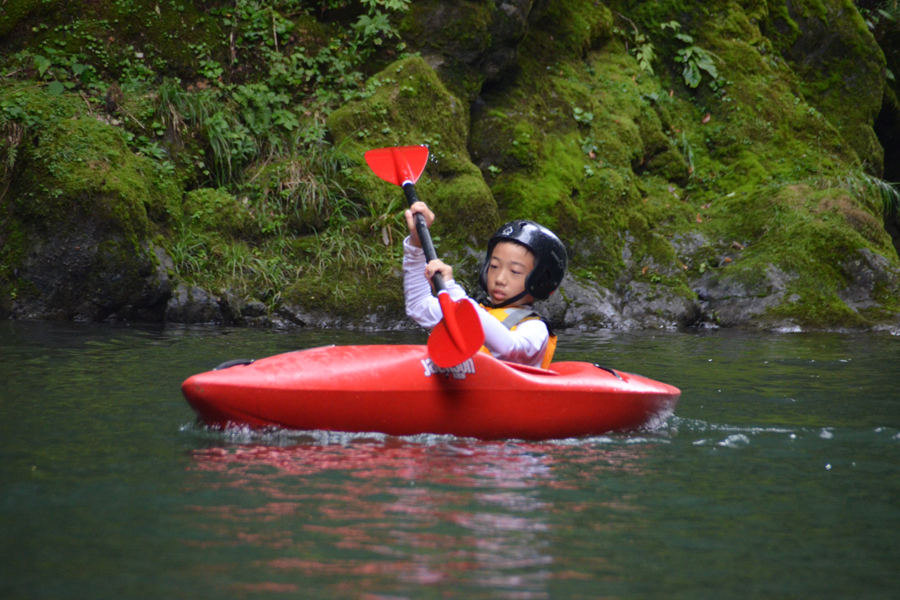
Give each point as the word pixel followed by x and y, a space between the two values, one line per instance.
pixel 608 370
pixel 233 363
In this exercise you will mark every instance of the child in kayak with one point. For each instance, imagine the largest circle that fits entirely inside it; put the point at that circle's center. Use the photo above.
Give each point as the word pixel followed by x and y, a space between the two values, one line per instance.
pixel 524 261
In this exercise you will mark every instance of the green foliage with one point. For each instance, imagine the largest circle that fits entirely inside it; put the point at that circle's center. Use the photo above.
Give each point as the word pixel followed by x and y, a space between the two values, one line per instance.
pixel 242 127
pixel 582 116
pixel 688 152
pixel 863 186
pixel 885 14
pixel 589 137
pixel 302 186
pixel 376 25
pixel 695 59
pixel 644 52
pixel 641 47
pixel 11 136
pixel 249 102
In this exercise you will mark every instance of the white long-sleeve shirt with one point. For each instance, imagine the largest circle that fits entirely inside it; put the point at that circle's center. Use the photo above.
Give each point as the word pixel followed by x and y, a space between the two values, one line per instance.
pixel 526 345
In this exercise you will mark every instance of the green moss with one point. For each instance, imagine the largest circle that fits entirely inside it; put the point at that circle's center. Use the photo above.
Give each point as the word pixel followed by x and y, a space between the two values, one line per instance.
pixel 347 297
pixel 14 12
pixel 411 106
pixel 618 160
pixel 82 162
pixel 466 25
pixel 216 210
pixel 567 140
pixel 451 31
pixel 802 231
pixel 814 308
pixel 840 67
pixel 576 26
pixel 115 38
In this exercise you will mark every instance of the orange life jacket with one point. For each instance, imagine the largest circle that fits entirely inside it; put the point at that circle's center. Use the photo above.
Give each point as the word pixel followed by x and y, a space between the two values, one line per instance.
pixel 511 317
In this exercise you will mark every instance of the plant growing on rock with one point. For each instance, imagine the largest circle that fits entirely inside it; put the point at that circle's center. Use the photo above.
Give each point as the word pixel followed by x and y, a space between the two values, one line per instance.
pixel 693 58
pixel 641 47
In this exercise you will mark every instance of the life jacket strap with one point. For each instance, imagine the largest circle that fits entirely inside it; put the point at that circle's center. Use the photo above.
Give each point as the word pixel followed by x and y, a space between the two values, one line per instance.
pixel 511 317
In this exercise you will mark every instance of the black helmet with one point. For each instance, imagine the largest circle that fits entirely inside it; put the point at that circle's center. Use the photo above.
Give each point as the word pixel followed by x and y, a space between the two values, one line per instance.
pixel 549 257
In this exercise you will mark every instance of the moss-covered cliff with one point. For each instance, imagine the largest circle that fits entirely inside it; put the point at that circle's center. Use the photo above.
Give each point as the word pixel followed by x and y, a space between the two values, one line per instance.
pixel 707 163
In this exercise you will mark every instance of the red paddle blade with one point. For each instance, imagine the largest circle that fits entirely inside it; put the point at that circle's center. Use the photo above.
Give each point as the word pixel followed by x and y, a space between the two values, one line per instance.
pixel 398 164
pixel 458 336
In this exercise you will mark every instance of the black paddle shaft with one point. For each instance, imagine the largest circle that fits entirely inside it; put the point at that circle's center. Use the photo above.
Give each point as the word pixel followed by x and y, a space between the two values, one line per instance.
pixel 424 237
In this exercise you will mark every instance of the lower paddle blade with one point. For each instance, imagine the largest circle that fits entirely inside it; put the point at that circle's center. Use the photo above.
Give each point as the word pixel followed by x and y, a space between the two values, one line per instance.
pixel 397 164
pixel 458 336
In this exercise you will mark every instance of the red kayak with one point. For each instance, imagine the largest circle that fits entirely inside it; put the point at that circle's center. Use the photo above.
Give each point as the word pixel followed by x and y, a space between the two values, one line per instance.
pixel 398 390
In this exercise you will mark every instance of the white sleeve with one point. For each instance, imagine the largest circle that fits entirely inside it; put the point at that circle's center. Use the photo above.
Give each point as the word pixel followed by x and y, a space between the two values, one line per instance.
pixel 421 305
pixel 526 345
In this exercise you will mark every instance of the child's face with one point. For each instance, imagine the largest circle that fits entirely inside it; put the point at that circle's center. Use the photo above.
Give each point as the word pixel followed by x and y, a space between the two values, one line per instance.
pixel 510 265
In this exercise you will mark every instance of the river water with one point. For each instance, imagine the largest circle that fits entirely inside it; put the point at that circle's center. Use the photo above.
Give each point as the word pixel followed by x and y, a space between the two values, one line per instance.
pixel 778 477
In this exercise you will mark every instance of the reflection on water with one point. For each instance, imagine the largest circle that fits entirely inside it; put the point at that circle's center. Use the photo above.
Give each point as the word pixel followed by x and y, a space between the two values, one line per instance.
pixel 395 513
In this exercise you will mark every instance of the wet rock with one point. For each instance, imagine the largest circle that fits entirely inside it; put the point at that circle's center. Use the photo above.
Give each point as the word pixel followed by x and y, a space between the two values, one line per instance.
pixel 256 314
pixel 150 302
pixel 583 305
pixel 230 303
pixel 301 317
pixel 254 308
pixel 653 306
pixel 586 306
pixel 81 272
pixel 732 298
pixel 687 246
pixel 294 315
pixel 867 272
pixel 193 305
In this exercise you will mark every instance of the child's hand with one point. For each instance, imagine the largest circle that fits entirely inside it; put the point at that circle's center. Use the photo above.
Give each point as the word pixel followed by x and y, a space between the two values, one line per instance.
pixel 422 209
pixel 438 266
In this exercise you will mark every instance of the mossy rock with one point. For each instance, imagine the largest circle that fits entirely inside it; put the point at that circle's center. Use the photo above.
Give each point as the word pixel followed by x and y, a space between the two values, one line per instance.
pixel 453 37
pixel 577 26
pixel 765 170
pixel 81 161
pixel 217 211
pixel 806 232
pixel 345 300
pixel 840 66
pixel 83 211
pixel 470 43
pixel 565 145
pixel 409 107
pixel 85 163
pixel 13 12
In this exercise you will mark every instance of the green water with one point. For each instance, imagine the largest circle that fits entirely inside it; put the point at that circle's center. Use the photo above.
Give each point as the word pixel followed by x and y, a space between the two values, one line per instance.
pixel 778 477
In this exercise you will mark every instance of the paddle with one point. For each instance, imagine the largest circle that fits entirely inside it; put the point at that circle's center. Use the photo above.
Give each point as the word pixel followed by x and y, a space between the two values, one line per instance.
pixel 459 334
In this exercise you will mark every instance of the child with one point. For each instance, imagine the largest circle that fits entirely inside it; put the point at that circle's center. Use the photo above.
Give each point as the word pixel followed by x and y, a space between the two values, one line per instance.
pixel 524 262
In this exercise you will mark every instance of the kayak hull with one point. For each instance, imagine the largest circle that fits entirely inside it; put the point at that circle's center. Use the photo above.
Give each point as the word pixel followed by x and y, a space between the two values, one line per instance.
pixel 397 390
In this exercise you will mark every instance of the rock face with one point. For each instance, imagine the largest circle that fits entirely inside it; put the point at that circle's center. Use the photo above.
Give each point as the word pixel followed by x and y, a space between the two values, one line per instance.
pixel 817 37
pixel 77 229
pixel 706 163
pixel 870 277
pixel 193 305
pixel 471 44
pixel 411 98
pixel 78 273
